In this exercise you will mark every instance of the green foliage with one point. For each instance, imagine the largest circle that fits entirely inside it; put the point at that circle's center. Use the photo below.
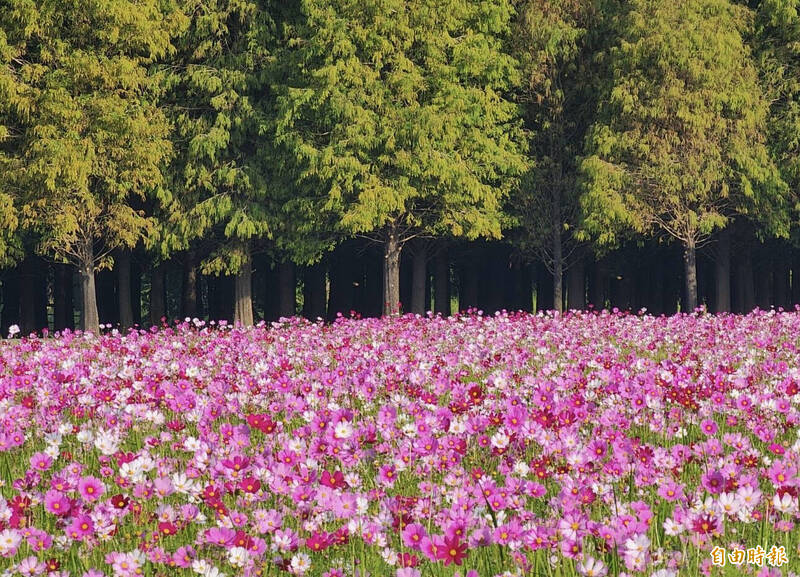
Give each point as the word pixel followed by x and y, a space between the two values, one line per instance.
pixel 555 44
pixel 88 137
pixel 212 94
pixel 679 145
pixel 395 113
pixel 778 48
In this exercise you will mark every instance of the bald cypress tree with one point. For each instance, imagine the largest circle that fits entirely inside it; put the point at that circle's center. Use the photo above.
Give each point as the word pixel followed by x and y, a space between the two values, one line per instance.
pixel 397 113
pixel 88 135
pixel 679 147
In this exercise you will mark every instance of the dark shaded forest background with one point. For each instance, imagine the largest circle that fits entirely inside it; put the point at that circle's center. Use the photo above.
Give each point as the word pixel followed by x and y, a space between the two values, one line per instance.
pixel 254 159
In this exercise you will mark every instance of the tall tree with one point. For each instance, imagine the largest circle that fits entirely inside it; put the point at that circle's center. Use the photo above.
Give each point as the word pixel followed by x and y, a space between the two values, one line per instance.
pixel 395 110
pixel 89 136
pixel 555 46
pixel 219 189
pixel 777 42
pixel 679 146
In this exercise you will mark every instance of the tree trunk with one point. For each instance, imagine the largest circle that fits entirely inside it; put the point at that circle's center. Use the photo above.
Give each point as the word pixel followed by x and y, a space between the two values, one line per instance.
pixel 558 268
pixel 42 291
pixel 723 272
pixel 10 300
pixel 419 277
pixel 243 289
pixel 468 293
pixel 391 273
pixel 576 286
pixel 340 275
pixel 157 301
pixel 764 287
pixel 287 286
pixel 441 283
pixel 271 304
pixel 27 297
pixel 123 266
pixel 744 281
pixel 690 264
pixel 62 297
pixel 794 297
pixel 136 292
pixel 314 296
pixel 189 292
pixel 495 276
pixel 780 278
pixel 596 298
pixel 90 320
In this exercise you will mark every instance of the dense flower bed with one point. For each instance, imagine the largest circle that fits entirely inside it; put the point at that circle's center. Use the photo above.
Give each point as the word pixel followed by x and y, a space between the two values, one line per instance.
pixel 587 444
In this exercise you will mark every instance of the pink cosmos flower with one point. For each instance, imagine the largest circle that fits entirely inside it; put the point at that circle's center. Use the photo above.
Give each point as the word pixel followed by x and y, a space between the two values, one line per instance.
pixel 387 475
pixel 91 488
pixel 413 536
pixel 183 556
pixel 31 566
pixel 82 526
pixel 41 462
pixel 57 503
pixel 219 536
pixel 709 427
pixel 432 546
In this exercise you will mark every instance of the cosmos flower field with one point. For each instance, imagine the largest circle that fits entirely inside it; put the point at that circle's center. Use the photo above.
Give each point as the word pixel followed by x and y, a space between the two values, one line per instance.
pixel 587 444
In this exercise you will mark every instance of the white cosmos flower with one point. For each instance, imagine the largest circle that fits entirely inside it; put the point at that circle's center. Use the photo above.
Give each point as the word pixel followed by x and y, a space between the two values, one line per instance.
pixel 85 436
pixel 457 426
pixel 500 440
pixel 9 541
pixel 213 572
pixel 785 504
pixel 637 544
pixel 672 528
pixel 390 557
pixel 106 443
pixel 296 445
pixel 238 556
pixel 200 566
pixel 591 567
pixel 192 444
pixel 343 430
pixel 183 484
pixel 300 563
pixel 521 468
pixel 729 503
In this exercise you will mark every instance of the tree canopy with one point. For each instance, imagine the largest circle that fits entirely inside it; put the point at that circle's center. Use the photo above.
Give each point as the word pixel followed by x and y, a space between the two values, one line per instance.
pixel 680 143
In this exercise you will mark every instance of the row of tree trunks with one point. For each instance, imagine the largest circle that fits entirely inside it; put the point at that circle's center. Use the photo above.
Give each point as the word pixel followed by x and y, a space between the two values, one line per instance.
pixel 731 276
